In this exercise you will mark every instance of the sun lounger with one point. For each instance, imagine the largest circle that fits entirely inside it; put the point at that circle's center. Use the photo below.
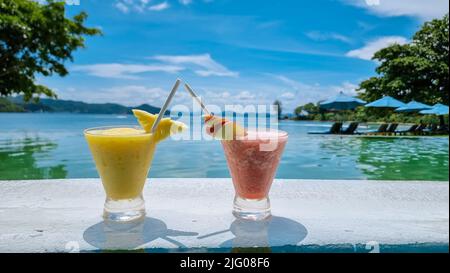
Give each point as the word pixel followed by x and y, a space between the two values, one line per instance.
pixel 419 129
pixel 443 129
pixel 411 129
pixel 335 129
pixel 351 128
pixel 391 129
pixel 431 129
pixel 382 129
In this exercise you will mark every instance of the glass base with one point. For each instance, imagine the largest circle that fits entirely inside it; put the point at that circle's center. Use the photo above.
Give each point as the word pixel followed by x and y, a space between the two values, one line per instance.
pixel 124 210
pixel 251 209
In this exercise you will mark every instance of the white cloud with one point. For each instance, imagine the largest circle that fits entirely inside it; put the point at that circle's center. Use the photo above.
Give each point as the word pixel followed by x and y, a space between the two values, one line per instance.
pixel 372 2
pixel 225 95
pixel 287 95
pixel 306 93
pixel 207 66
pixel 290 82
pixel 126 6
pixel 216 95
pixel 324 36
pixel 128 95
pixel 122 7
pixel 159 7
pixel 367 51
pixel 202 65
pixel 245 95
pixel 423 9
pixel 124 71
pixel 139 6
pixel 185 2
pixel 348 88
pixel 133 95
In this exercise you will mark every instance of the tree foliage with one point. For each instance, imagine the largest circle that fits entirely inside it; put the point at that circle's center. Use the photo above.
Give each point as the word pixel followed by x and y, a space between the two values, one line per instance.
pixel 36 39
pixel 310 108
pixel 363 114
pixel 418 70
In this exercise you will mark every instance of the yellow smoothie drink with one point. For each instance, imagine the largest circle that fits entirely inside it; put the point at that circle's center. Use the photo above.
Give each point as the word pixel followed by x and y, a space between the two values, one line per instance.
pixel 122 157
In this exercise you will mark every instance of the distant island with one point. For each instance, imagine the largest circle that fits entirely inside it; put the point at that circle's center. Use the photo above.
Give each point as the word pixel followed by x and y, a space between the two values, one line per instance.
pixel 16 104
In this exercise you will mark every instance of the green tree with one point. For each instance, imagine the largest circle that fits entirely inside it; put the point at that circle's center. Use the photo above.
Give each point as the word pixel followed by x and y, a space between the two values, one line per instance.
pixel 311 108
pixel 36 39
pixel 418 70
pixel 298 111
pixel 278 106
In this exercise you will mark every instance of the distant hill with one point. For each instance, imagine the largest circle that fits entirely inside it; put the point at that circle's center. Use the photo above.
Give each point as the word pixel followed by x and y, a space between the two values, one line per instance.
pixel 148 108
pixel 16 104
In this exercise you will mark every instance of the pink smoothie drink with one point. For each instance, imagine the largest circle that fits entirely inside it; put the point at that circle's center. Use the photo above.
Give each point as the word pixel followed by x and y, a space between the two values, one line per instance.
pixel 253 161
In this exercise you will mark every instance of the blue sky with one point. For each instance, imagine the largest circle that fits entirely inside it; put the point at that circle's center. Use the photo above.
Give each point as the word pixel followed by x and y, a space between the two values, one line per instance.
pixel 235 51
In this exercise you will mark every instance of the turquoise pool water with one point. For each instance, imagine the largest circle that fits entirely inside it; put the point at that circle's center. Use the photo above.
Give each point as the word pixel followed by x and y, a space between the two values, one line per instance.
pixel 34 146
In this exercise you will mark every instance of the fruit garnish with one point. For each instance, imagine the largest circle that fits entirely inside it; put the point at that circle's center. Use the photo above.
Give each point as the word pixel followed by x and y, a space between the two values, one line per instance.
pixel 210 120
pixel 221 128
pixel 166 126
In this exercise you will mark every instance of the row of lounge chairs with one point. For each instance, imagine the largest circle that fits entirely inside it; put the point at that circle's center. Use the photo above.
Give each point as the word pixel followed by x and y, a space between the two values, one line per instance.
pixel 384 129
pixel 336 129
pixel 415 129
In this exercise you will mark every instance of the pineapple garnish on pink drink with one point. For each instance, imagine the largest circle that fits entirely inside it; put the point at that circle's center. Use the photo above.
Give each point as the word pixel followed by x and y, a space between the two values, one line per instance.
pixel 220 128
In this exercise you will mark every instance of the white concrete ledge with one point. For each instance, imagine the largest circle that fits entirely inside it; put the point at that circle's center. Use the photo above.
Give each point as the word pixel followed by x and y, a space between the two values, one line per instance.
pixel 195 214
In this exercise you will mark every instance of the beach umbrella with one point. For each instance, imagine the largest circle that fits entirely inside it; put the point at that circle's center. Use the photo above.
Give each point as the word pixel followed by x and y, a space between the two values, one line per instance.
pixel 413 106
pixel 438 109
pixel 341 102
pixel 386 102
